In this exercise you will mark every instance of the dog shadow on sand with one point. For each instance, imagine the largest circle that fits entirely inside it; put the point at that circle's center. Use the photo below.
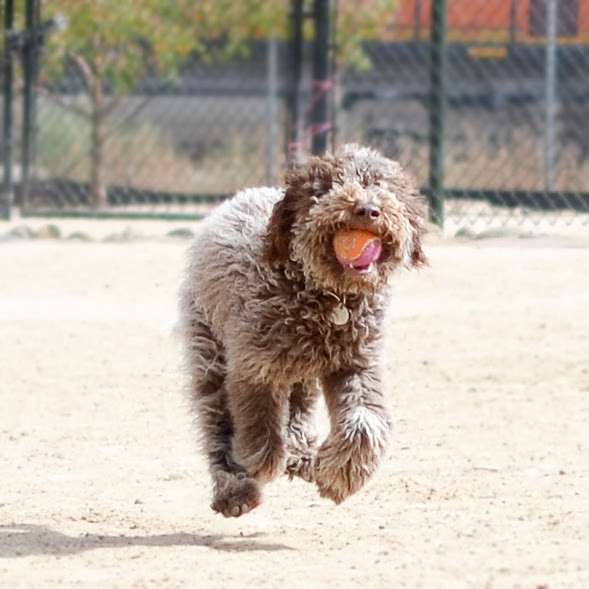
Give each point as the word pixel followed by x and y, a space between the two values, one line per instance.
pixel 27 539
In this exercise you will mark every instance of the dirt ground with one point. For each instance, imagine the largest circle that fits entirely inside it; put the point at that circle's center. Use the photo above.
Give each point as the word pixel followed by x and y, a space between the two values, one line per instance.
pixel 486 484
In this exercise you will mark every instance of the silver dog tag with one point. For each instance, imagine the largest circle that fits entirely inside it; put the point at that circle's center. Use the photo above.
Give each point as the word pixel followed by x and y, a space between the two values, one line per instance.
pixel 340 315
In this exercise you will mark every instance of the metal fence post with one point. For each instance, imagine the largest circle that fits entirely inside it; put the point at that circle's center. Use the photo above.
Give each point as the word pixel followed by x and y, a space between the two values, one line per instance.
pixel 7 196
pixel 437 111
pixel 272 109
pixel 293 100
pixel 550 95
pixel 336 92
pixel 320 121
pixel 31 57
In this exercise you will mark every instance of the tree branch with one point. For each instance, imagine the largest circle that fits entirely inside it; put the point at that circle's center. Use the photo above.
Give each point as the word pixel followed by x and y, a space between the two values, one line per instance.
pixel 89 77
pixel 93 84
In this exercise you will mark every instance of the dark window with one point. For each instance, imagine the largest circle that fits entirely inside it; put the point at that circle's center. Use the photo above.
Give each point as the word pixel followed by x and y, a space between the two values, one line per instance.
pixel 567 18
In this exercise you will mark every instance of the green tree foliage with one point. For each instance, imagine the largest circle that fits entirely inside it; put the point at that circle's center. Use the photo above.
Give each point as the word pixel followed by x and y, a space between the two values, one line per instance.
pixel 114 43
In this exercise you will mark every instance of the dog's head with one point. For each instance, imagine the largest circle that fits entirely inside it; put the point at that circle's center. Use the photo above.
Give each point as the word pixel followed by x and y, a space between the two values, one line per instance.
pixel 356 188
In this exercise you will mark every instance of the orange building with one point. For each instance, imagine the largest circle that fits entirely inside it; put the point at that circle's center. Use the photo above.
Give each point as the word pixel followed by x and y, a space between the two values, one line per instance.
pixel 493 21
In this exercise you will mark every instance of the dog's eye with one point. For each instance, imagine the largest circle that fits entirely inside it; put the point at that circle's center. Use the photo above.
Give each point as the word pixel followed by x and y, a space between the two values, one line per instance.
pixel 320 186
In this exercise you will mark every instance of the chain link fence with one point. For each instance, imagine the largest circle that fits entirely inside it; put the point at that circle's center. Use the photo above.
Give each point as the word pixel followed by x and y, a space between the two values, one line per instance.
pixel 512 124
pixel 171 148
pixel 515 123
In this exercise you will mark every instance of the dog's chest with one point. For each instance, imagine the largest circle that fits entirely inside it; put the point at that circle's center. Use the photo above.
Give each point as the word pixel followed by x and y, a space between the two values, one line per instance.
pixel 313 335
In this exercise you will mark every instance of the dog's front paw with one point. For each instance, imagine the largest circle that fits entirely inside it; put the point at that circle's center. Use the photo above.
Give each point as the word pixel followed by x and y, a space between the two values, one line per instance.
pixel 235 494
pixel 343 466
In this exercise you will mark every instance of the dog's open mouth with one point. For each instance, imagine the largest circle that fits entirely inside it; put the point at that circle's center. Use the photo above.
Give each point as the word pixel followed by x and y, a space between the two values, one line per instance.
pixel 368 259
pixel 358 251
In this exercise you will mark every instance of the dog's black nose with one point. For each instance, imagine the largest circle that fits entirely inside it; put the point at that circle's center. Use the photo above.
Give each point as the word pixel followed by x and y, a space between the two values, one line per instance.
pixel 367 210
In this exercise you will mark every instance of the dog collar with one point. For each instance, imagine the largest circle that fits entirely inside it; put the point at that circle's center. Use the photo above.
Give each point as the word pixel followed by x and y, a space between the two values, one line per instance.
pixel 340 314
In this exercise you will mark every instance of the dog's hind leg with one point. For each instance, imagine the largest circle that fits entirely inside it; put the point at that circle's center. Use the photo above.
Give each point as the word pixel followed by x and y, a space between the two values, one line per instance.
pixel 234 492
pixel 301 434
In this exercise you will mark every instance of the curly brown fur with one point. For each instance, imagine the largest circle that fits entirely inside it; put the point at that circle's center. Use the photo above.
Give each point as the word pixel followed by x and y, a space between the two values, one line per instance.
pixel 259 313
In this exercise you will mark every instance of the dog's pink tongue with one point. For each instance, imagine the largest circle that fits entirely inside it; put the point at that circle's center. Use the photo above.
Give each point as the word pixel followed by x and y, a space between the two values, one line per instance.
pixel 369 254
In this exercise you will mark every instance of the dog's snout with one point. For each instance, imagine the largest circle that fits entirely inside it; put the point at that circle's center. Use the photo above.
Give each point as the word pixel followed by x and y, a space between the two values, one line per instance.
pixel 368 210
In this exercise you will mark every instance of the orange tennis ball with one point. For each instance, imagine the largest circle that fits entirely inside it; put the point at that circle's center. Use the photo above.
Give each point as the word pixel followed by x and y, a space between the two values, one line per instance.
pixel 350 243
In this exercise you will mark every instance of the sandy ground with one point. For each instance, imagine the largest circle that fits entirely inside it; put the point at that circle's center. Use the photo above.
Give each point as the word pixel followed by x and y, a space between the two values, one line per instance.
pixel 486 485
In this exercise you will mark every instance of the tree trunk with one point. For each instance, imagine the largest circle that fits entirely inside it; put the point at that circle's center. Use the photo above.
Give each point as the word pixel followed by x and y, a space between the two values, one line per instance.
pixel 98 115
pixel 98 189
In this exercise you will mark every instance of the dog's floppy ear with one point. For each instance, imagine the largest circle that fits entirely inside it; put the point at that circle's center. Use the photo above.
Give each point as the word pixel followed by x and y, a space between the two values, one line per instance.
pixel 279 229
pixel 304 182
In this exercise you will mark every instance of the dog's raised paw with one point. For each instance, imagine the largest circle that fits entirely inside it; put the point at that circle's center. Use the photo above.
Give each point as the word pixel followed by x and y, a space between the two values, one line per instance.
pixel 236 495
pixel 337 488
pixel 342 469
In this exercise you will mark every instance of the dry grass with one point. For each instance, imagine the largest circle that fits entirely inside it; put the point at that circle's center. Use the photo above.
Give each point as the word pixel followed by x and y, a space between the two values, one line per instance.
pixel 218 153
pixel 494 150
pixel 227 151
